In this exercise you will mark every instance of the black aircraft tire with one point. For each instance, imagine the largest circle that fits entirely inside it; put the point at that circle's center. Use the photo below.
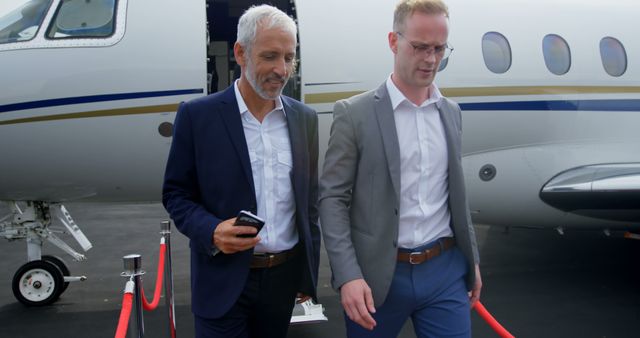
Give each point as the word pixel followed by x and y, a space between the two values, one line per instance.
pixel 57 261
pixel 37 283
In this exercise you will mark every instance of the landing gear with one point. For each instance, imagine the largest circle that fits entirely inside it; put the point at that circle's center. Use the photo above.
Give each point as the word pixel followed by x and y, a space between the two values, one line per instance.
pixel 61 265
pixel 44 278
pixel 38 283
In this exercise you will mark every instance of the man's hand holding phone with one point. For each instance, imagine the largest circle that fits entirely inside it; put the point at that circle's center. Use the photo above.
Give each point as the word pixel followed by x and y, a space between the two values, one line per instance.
pixel 246 218
pixel 237 234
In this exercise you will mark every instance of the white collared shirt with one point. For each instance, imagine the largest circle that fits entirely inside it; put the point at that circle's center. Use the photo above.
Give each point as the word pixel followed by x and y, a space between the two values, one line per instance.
pixel 271 165
pixel 424 180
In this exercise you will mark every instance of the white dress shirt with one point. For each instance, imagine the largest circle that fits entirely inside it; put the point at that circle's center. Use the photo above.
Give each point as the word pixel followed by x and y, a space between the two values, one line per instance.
pixel 271 165
pixel 424 187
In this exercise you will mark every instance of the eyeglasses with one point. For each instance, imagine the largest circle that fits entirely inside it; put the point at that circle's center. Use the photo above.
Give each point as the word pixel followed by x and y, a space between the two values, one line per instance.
pixel 423 50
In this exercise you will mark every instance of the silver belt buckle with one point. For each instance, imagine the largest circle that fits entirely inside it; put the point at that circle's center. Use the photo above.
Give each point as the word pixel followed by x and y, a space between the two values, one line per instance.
pixel 413 254
pixel 270 258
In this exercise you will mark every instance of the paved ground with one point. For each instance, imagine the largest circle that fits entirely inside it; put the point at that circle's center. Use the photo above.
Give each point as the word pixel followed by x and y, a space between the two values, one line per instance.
pixel 537 283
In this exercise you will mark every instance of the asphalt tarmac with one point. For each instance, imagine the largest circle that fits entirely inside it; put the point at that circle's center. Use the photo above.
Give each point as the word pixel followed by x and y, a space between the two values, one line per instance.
pixel 536 282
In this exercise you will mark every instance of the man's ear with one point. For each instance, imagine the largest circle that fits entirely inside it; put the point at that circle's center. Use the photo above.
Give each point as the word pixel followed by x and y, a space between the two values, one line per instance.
pixel 393 42
pixel 240 53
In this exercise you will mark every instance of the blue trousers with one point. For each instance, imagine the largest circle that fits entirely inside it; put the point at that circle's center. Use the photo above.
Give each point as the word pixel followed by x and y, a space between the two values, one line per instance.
pixel 433 294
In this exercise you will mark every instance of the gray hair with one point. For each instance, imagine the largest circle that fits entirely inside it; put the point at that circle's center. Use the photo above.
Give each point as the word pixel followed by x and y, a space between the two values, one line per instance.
pixel 263 16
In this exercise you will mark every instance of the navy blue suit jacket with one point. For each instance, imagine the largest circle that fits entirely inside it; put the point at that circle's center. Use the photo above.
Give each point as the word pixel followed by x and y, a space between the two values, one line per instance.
pixel 208 179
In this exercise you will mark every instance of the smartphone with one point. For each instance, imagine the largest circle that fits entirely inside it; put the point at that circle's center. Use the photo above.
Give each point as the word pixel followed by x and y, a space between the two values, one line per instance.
pixel 247 218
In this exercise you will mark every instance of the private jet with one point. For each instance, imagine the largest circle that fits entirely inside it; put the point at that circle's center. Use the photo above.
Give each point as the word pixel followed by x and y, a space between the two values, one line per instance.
pixel 550 93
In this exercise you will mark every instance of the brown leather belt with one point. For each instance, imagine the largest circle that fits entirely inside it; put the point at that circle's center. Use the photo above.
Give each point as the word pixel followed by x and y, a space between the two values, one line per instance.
pixel 269 260
pixel 418 257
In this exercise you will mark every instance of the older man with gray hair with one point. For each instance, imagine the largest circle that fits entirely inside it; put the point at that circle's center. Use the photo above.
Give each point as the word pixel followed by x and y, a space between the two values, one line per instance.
pixel 248 148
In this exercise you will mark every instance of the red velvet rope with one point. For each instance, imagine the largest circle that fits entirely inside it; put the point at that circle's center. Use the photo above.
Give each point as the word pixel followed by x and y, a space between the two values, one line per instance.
pixel 128 297
pixel 156 295
pixel 125 313
pixel 500 330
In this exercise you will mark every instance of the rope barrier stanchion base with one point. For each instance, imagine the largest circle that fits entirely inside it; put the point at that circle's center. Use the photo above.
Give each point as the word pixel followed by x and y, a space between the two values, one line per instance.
pixel 493 323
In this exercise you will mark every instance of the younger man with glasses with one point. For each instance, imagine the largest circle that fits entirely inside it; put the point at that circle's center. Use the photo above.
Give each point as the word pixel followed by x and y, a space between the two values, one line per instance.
pixel 392 200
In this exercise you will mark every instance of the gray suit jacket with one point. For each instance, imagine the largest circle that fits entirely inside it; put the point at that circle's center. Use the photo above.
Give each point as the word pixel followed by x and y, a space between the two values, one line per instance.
pixel 360 191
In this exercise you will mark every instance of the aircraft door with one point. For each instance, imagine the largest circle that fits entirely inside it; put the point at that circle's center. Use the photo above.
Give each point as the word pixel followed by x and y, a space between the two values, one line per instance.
pixel 222 23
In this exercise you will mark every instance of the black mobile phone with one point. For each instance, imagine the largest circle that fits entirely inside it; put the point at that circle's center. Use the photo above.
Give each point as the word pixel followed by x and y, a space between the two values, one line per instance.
pixel 247 218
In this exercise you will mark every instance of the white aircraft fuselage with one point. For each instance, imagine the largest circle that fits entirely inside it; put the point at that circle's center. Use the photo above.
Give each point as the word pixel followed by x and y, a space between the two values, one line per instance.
pixel 90 118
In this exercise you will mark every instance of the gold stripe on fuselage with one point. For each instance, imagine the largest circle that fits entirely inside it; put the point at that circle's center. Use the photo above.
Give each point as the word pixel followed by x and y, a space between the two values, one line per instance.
pixel 332 97
pixel 329 97
pixel 98 113
pixel 492 91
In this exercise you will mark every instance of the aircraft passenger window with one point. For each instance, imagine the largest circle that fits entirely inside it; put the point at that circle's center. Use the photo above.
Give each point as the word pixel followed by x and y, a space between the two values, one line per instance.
pixel 496 52
pixel 22 23
pixel 614 57
pixel 83 19
pixel 557 55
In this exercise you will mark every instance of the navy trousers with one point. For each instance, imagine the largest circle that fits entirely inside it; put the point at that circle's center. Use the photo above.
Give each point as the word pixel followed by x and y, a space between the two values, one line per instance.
pixel 433 294
pixel 264 307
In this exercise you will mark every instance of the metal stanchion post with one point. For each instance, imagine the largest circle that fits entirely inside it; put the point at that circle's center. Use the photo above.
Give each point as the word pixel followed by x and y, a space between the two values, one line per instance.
pixel 133 268
pixel 165 227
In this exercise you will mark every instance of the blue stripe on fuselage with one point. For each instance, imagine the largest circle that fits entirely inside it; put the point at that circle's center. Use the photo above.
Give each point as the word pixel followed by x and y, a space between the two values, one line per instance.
pixel 95 98
pixel 558 105
pixel 547 105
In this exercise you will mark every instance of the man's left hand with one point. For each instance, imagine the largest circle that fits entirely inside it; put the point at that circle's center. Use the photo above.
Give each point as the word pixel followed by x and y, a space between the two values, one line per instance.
pixel 474 295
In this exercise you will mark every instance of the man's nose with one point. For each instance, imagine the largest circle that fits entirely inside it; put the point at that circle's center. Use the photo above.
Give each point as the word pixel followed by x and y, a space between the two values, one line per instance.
pixel 430 56
pixel 280 67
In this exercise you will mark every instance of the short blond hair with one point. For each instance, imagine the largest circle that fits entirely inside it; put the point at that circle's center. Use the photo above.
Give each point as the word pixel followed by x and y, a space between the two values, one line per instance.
pixel 405 8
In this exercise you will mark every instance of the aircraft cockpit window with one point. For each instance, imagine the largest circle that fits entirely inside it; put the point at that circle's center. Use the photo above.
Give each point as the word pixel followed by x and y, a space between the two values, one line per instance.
pixel 557 55
pixel 22 23
pixel 83 19
pixel 496 52
pixel 614 56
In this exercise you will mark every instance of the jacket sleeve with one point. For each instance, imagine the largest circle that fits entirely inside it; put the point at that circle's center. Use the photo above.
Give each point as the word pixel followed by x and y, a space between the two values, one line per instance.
pixel 181 193
pixel 336 186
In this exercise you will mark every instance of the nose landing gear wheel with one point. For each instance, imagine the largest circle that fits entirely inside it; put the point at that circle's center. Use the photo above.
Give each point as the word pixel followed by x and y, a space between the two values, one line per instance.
pixel 37 283
pixel 58 262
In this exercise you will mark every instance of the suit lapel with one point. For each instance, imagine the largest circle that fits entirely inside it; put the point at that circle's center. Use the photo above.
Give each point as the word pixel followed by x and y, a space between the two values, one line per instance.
pixel 231 116
pixel 298 139
pixel 387 125
pixel 449 131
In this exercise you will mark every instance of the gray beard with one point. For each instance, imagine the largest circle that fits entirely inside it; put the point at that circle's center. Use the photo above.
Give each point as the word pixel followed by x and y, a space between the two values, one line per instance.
pixel 253 81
